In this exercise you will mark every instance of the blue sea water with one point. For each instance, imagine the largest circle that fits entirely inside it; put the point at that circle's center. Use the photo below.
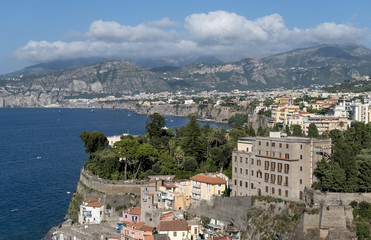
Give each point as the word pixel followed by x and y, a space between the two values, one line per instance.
pixel 41 155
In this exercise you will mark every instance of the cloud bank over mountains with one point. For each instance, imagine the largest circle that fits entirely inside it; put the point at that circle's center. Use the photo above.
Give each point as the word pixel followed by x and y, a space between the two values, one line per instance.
pixel 222 34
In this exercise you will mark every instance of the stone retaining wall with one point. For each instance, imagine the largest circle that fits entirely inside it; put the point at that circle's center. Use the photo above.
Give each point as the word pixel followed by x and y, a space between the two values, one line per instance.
pixel 109 187
pixel 315 197
pixel 228 209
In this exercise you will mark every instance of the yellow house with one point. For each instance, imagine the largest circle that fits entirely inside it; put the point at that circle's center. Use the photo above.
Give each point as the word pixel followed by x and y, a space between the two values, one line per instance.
pixel 205 185
pixel 182 198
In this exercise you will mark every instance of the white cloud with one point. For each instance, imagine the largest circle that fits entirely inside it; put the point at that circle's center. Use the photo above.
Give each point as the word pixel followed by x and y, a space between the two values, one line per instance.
pixel 220 33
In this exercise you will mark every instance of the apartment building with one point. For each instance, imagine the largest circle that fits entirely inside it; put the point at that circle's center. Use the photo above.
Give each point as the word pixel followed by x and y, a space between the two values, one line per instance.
pixel 276 166
pixel 361 112
pixel 325 123
pixel 205 185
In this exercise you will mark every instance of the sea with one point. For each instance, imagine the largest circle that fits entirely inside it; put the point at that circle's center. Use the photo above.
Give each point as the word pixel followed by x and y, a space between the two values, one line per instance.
pixel 41 155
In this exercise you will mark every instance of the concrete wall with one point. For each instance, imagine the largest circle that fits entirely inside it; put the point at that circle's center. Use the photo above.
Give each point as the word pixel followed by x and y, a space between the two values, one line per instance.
pixel 108 187
pixel 315 197
pixel 228 209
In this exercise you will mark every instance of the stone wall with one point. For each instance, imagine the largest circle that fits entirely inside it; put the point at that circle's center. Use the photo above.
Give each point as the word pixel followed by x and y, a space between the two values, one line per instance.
pixel 315 197
pixel 109 187
pixel 228 209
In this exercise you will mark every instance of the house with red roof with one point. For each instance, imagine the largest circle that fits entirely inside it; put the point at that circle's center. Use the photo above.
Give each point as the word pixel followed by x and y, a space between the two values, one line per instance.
pixel 205 185
pixel 135 231
pixel 176 230
pixel 131 215
pixel 91 211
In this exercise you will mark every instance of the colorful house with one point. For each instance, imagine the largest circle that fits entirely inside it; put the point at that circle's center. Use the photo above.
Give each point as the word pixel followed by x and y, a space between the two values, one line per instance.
pixel 136 231
pixel 91 211
pixel 205 185
pixel 131 215
pixel 176 230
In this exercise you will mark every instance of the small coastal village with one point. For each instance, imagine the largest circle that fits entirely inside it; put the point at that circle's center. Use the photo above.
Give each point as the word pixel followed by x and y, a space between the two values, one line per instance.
pixel 273 174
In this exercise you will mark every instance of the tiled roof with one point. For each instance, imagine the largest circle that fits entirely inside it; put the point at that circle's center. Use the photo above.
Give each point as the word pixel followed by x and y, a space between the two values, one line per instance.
pixel 173 226
pixel 89 200
pixel 95 204
pixel 139 226
pixel 208 179
pixel 135 211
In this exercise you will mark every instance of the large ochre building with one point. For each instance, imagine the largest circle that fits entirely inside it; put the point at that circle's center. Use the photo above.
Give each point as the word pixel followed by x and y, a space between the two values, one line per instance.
pixel 277 165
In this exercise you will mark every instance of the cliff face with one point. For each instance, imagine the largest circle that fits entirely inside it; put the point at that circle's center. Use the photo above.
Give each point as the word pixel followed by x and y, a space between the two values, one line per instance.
pixel 116 194
pixel 218 114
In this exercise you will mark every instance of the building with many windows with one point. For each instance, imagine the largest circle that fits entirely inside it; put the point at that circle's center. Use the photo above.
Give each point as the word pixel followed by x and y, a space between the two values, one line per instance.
pixel 205 185
pixel 277 165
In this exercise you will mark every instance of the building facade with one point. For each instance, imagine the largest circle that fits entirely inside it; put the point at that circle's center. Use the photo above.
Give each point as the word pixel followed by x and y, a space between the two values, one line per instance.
pixel 91 211
pixel 276 166
pixel 205 185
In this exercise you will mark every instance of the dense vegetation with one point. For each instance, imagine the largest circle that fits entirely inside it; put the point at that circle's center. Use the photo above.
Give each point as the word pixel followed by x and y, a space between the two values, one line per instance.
pixel 349 167
pixel 186 151
pixel 350 86
pixel 362 216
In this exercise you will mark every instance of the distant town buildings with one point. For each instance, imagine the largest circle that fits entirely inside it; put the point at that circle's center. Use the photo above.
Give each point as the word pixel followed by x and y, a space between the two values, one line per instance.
pixel 206 185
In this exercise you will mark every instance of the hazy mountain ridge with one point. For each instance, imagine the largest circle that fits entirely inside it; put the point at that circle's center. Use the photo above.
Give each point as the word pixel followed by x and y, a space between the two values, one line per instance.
pixel 324 64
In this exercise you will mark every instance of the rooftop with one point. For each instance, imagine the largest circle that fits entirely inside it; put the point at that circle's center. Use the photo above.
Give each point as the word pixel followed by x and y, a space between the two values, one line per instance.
pixel 175 225
pixel 208 179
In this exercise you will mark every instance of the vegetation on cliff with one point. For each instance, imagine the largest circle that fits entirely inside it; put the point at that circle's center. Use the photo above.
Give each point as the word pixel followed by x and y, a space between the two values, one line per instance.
pixel 348 169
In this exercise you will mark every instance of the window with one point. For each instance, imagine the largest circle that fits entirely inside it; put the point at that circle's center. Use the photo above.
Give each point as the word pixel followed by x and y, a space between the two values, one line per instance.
pixel 247 149
pixel 279 179
pixel 252 161
pixel 287 168
pixel 252 172
pixel 259 152
pixel 240 170
pixel 235 158
pixel 301 156
pixel 240 159
pixel 247 171
pixel 301 168
pixel 246 184
pixel 279 191
pixel 235 170
pixel 301 146
pixel 273 144
pixel 287 146
pixel 259 174
pixel 267 144
pixel 273 190
pixel 279 167
pixel 235 182
pixel 286 193
pixel 266 189
pixel 273 166
pixel 252 185
pixel 273 154
pixel 266 165
pixel 301 181
pixel 258 162
pixel 301 195
pixel 273 178
pixel 240 183
pixel 260 143
pixel 286 181
pixel 280 145
pixel 280 155
pixel 174 234
pixel 266 177
pixel 247 160
pixel 287 156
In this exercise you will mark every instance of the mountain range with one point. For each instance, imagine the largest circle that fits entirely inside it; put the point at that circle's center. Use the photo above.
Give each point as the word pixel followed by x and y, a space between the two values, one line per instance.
pixel 323 64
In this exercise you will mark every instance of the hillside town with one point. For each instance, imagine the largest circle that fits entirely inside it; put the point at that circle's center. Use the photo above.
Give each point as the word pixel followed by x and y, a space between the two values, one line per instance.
pixel 279 164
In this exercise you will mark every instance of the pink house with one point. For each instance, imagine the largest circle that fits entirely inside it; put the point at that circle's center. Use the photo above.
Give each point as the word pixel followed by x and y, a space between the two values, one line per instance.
pixel 131 215
pixel 135 231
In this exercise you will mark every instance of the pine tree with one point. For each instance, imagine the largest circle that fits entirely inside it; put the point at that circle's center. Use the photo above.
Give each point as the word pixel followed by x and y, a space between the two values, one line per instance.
pixel 313 131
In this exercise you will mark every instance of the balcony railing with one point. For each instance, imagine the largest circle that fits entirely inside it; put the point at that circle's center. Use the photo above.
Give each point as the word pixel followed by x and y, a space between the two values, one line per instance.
pixel 195 197
pixel 196 191
pixel 196 185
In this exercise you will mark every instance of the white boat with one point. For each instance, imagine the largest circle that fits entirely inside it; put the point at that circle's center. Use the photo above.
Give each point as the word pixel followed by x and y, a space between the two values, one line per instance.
pixel 38 157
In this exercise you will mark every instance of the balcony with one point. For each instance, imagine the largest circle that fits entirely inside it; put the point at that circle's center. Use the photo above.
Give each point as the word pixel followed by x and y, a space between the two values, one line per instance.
pixel 196 185
pixel 195 197
pixel 196 191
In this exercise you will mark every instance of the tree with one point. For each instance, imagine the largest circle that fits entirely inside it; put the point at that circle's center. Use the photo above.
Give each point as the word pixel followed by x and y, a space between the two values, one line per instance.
pixel 105 163
pixel 190 164
pixel 296 130
pixel 313 131
pixel 166 163
pixel 192 143
pixel 154 126
pixel 126 149
pixel 287 130
pixel 95 141
pixel 143 155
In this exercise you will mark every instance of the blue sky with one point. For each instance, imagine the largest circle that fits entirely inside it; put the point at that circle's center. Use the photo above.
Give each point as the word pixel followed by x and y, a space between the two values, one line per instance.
pixel 38 31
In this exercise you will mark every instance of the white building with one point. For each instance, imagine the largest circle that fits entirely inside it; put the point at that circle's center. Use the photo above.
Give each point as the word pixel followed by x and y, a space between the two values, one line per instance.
pixel 361 112
pixel 91 211
pixel 176 230
pixel 188 102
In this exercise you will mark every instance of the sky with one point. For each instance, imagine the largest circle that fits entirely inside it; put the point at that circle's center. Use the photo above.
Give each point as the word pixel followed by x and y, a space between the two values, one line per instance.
pixel 42 30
